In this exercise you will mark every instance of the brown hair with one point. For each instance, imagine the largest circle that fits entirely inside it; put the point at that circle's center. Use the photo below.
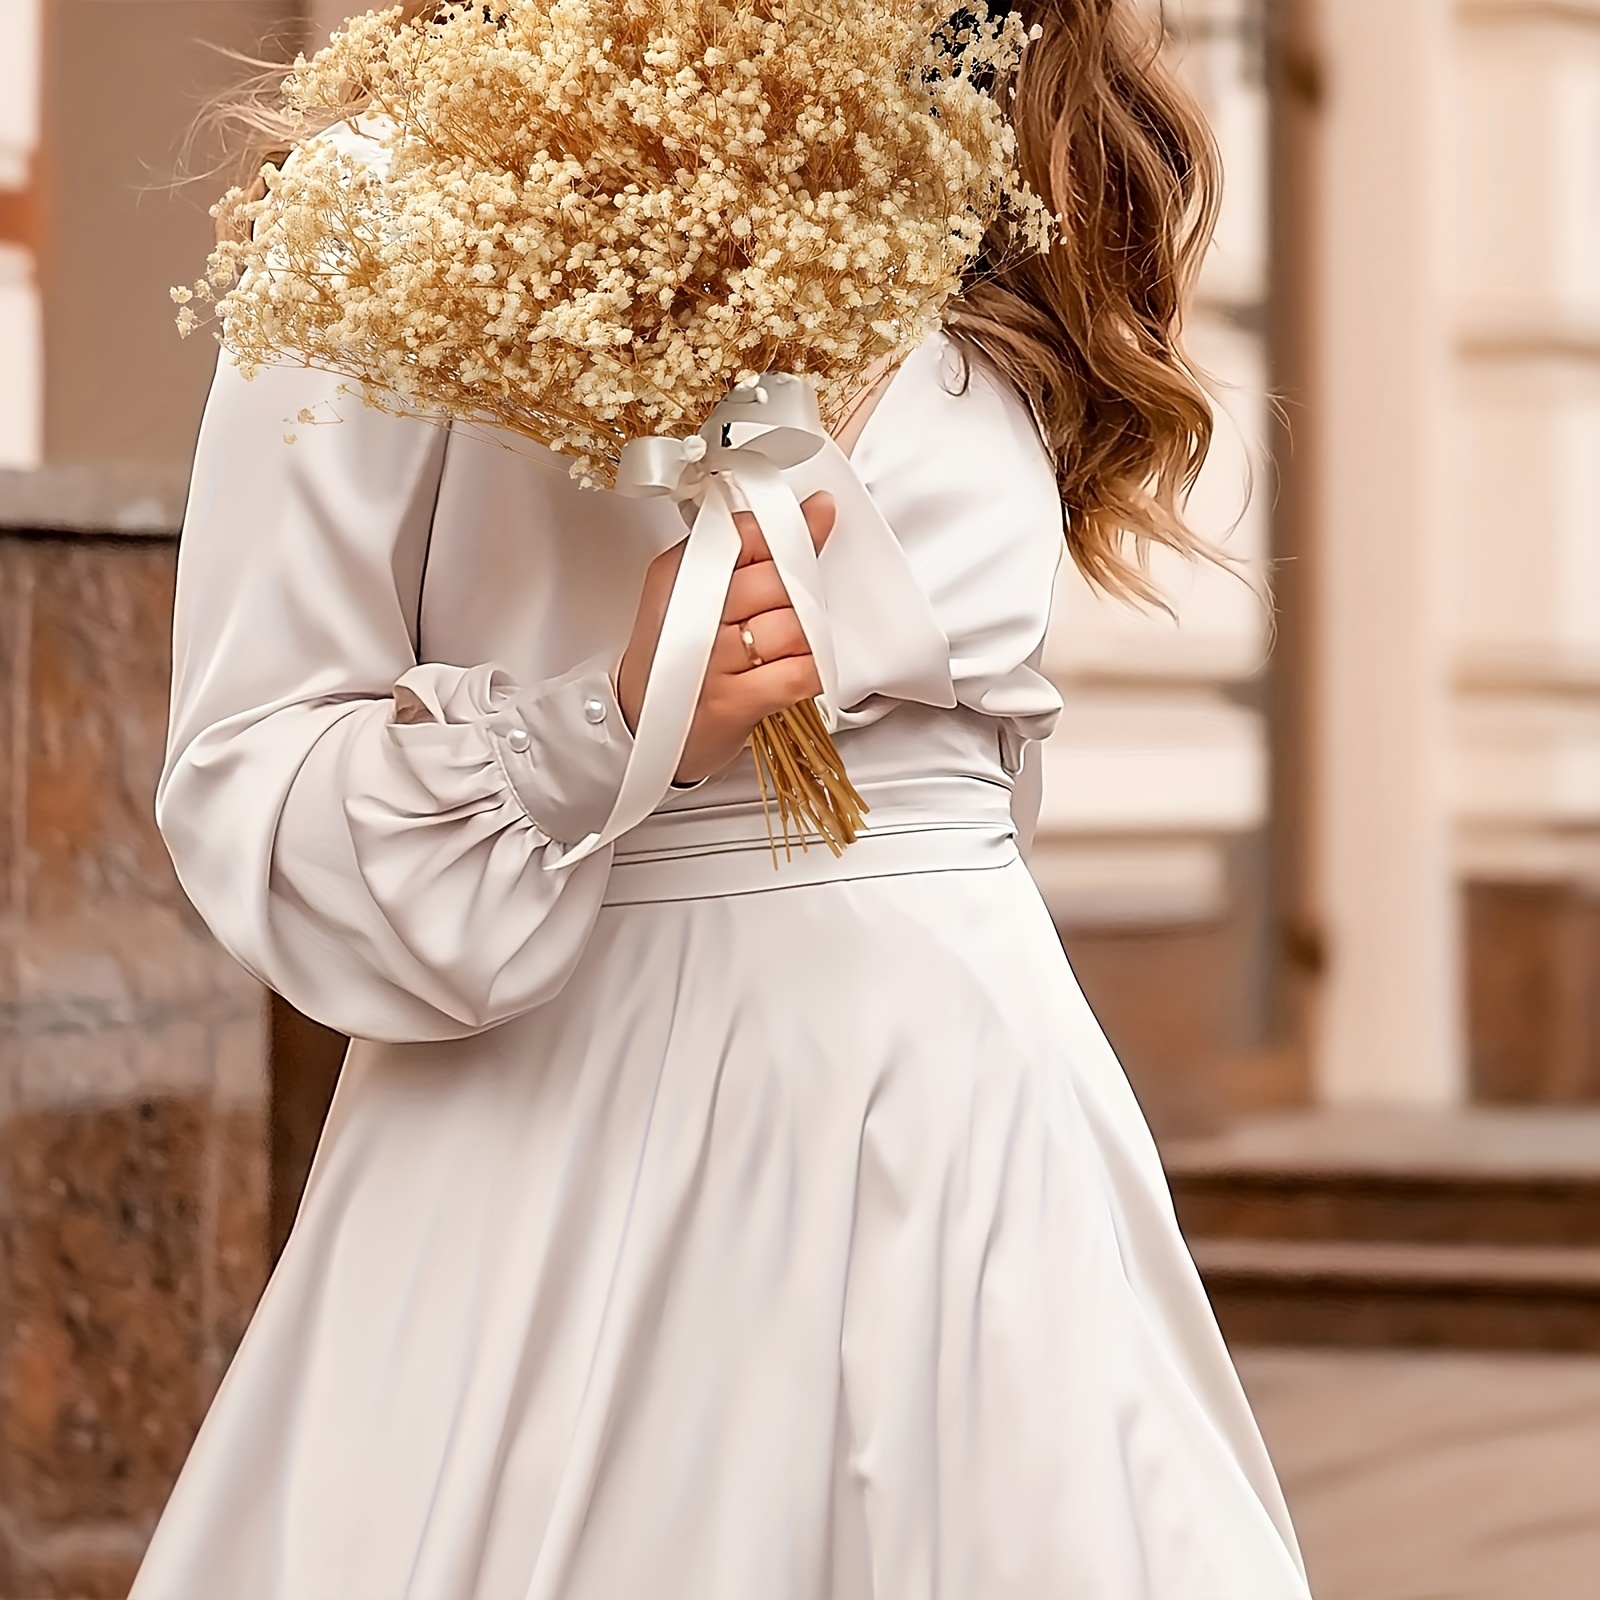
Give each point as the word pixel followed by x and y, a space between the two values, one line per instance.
pixel 1088 333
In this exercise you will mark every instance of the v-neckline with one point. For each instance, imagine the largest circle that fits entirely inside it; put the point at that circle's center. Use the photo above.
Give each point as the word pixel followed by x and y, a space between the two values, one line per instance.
pixel 881 389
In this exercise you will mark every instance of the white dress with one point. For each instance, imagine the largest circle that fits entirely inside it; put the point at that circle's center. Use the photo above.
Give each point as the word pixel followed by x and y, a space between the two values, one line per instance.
pixel 686 1226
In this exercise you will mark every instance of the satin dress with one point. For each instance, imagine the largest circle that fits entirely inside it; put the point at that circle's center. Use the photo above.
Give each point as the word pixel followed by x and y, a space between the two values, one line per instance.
pixel 691 1223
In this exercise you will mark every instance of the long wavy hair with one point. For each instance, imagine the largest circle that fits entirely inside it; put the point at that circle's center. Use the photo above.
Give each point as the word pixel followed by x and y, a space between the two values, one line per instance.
pixel 1089 334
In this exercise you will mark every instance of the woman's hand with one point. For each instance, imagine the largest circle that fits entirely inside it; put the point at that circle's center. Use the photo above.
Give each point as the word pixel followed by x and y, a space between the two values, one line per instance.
pixel 744 682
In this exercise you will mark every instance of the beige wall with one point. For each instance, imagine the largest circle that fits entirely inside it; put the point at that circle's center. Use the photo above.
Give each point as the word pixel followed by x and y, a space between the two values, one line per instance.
pixel 20 353
pixel 124 82
pixel 1456 416
pixel 1388 1019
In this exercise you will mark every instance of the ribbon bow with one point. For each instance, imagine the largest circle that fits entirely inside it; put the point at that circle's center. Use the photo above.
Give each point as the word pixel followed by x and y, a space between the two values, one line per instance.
pixel 734 463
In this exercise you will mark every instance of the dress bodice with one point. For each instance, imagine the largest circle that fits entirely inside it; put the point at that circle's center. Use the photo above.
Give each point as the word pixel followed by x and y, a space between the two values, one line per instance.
pixel 393 706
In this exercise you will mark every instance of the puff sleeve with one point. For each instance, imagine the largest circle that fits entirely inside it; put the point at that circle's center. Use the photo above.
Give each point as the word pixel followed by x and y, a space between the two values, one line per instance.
pixel 939 576
pixel 363 832
pixel 953 462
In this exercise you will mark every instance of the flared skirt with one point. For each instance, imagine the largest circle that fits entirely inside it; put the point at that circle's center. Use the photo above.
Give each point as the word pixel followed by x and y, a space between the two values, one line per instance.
pixel 809 1246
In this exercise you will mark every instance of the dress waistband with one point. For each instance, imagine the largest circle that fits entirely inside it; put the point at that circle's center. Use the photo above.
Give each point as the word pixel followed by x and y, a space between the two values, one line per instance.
pixel 943 823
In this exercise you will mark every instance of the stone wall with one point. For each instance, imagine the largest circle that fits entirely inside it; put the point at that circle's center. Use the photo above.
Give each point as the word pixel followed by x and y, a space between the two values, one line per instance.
pixel 132 1080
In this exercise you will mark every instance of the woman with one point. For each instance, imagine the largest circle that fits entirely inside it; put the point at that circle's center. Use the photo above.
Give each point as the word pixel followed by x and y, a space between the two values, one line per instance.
pixel 691 1224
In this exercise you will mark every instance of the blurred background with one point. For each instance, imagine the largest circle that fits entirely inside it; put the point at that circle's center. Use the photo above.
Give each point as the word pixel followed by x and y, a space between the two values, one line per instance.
pixel 1330 875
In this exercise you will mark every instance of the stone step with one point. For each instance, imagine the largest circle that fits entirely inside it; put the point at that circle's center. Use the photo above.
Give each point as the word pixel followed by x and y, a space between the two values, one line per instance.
pixel 1475 1227
pixel 1477 1176
pixel 1314 1291
pixel 1400 1210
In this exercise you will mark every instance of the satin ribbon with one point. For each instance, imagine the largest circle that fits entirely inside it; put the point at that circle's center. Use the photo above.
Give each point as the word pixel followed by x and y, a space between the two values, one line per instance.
pixel 734 463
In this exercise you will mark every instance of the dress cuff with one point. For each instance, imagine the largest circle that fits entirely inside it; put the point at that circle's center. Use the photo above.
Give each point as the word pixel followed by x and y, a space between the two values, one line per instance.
pixel 562 745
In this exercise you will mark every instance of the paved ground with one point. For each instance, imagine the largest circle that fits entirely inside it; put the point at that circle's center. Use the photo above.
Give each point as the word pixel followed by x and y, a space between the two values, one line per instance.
pixel 1437 1476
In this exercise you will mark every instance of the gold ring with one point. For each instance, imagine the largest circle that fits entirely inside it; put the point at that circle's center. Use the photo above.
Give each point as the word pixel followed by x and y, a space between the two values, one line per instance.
pixel 749 639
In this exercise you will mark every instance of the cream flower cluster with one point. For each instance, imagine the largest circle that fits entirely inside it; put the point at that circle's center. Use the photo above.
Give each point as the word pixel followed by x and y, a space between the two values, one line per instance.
pixel 585 220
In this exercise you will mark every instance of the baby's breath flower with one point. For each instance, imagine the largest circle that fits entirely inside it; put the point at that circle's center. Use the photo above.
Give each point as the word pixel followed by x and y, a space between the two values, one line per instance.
pixel 583 221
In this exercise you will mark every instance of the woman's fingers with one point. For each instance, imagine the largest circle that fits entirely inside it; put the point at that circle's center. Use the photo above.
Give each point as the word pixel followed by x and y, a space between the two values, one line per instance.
pixel 760 660
pixel 752 546
pixel 819 511
pixel 779 684
pixel 754 589
pixel 743 699
pixel 774 635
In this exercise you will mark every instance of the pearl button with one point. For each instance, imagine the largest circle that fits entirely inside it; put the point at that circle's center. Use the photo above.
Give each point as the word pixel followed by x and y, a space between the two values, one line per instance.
pixel 594 711
pixel 519 739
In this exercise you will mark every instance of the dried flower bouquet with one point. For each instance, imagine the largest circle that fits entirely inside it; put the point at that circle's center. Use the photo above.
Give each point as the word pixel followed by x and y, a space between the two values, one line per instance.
pixel 586 220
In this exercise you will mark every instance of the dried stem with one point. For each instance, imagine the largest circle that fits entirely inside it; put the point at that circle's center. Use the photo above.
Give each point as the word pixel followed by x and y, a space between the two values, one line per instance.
pixel 798 763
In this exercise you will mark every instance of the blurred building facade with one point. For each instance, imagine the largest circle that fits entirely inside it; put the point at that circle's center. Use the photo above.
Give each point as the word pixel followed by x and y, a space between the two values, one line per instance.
pixel 1154 842
pixel 1349 853
pixel 1382 835
pixel 133 1063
